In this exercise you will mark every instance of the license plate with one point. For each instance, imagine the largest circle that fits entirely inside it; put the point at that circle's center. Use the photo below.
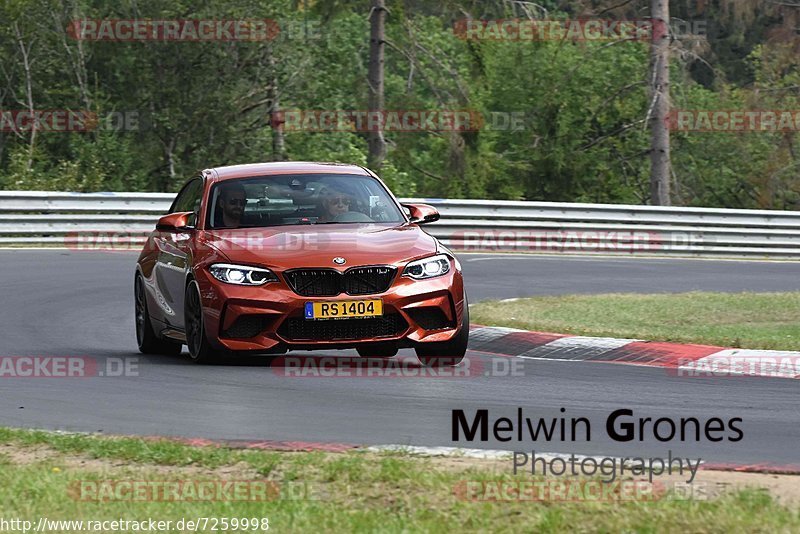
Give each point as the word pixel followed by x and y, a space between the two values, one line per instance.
pixel 344 309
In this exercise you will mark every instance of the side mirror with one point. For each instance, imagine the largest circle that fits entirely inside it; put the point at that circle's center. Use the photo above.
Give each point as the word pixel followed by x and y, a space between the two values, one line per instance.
pixel 174 222
pixel 422 213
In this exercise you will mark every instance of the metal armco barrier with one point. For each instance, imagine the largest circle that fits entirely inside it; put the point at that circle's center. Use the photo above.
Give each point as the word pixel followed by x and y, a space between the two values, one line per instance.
pixel 107 220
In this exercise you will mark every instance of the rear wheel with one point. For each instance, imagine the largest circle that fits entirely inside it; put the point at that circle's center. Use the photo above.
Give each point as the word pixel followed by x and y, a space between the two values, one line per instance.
pixel 200 350
pixel 378 350
pixel 146 338
pixel 446 353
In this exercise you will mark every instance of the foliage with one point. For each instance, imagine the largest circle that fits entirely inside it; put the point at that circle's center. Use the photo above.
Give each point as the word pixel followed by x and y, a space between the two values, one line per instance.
pixel 580 107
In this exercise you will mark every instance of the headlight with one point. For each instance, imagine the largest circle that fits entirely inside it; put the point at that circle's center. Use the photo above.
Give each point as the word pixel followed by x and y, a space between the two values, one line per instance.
pixel 428 267
pixel 242 275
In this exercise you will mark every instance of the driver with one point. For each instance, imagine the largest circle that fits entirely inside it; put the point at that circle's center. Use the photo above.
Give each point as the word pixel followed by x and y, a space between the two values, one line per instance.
pixel 232 199
pixel 332 204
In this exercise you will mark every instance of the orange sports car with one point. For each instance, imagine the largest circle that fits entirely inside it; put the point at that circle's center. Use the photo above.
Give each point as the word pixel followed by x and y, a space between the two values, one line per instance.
pixel 271 257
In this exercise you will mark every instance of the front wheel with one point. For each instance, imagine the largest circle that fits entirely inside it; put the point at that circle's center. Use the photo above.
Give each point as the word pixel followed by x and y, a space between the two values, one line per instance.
pixel 446 353
pixel 146 338
pixel 200 349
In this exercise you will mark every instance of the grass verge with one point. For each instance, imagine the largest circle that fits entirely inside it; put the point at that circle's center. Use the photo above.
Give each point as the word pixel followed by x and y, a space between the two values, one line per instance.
pixel 342 492
pixel 738 320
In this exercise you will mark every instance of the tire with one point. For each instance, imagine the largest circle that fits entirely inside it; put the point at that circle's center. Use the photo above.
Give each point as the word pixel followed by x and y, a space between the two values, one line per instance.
pixel 200 350
pixel 146 338
pixel 377 350
pixel 446 353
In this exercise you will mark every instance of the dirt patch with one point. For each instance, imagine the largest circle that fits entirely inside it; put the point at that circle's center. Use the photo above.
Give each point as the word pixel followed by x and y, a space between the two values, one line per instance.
pixel 708 484
pixel 25 455
pixel 28 455
pixel 785 488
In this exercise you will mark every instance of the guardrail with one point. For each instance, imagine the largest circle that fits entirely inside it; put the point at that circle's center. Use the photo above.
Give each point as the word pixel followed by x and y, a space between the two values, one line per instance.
pixel 103 220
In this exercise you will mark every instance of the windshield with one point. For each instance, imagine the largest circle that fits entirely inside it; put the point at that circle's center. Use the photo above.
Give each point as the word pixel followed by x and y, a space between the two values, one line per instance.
pixel 300 199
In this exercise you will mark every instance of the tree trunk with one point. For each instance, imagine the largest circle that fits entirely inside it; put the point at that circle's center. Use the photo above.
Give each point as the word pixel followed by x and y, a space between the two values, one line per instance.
pixel 26 63
pixel 660 171
pixel 169 155
pixel 377 41
pixel 273 97
pixel 78 63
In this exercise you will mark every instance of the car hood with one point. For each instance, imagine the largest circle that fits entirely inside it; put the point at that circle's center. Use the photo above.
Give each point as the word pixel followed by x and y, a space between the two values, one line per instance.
pixel 317 245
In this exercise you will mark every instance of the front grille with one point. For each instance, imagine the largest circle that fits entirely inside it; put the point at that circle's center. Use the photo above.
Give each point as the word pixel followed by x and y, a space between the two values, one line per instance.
pixel 247 326
pixel 300 329
pixel 368 280
pixel 430 318
pixel 329 282
pixel 314 282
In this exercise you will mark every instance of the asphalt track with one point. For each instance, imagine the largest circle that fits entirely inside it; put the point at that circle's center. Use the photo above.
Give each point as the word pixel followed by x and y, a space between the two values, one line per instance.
pixel 61 302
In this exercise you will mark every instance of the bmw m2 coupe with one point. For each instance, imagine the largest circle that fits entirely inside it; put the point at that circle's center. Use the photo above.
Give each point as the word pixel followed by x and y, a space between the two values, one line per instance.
pixel 271 257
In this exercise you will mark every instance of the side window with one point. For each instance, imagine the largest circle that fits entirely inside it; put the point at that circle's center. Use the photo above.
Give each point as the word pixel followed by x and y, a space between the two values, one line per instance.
pixel 189 199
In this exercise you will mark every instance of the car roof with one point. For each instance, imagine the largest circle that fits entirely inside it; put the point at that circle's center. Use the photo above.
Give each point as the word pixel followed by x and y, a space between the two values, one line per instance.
pixel 283 167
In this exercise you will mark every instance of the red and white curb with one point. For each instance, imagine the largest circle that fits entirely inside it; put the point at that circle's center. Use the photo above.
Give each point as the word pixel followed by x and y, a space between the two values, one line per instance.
pixel 682 360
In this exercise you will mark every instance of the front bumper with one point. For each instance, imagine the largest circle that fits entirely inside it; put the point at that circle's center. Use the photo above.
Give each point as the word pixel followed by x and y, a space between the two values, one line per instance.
pixel 270 318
